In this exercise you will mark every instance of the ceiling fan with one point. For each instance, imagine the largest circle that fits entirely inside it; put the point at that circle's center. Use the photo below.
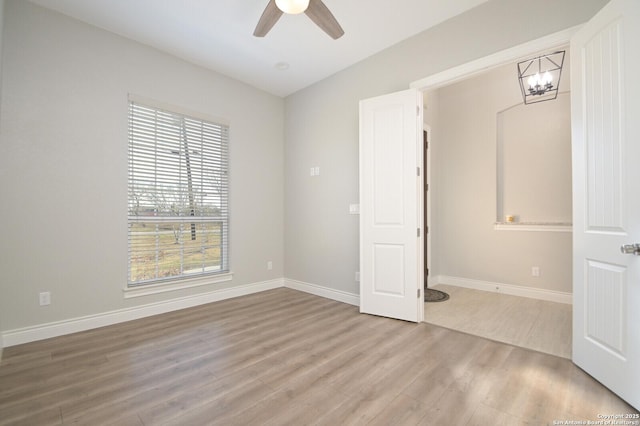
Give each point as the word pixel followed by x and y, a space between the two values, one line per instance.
pixel 314 9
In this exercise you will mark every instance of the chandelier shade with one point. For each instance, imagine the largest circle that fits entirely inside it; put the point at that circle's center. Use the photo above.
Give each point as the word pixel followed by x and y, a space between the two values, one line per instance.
pixel 539 77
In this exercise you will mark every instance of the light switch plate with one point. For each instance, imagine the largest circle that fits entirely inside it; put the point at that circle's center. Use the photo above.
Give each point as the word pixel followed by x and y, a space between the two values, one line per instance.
pixel 354 208
pixel 44 298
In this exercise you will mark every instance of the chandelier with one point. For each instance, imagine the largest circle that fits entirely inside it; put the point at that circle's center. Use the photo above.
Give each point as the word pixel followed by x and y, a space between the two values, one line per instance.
pixel 539 77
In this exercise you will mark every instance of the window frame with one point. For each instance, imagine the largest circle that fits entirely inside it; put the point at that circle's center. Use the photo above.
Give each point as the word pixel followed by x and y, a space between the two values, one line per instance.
pixel 205 214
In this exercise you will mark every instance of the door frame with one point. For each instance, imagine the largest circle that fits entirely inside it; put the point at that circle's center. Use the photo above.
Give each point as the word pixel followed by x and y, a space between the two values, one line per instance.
pixel 473 68
pixel 426 202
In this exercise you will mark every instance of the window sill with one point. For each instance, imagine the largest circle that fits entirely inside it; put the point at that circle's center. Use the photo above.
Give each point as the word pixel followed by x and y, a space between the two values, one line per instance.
pixel 533 226
pixel 149 289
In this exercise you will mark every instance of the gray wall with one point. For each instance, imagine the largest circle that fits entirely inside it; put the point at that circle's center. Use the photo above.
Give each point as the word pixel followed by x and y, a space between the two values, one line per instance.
pixel 63 164
pixel 321 238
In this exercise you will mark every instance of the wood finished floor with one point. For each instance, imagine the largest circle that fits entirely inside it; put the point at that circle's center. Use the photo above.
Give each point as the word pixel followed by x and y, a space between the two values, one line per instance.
pixel 529 323
pixel 286 357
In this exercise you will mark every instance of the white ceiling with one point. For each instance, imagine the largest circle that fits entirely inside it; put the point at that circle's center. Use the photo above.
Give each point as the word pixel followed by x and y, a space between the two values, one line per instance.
pixel 218 34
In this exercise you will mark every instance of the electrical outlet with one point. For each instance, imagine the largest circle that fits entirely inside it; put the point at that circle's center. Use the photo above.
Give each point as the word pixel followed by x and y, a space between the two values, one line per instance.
pixel 269 265
pixel 45 298
pixel 535 271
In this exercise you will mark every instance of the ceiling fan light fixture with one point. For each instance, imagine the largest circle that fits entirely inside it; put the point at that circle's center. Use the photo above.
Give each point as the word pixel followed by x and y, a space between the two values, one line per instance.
pixel 292 7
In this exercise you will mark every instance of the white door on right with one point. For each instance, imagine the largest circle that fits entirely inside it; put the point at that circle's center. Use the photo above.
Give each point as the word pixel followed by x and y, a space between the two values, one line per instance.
pixel 605 97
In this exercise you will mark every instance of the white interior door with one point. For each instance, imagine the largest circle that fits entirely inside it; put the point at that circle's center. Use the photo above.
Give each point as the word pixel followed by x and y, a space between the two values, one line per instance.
pixel 391 211
pixel 605 97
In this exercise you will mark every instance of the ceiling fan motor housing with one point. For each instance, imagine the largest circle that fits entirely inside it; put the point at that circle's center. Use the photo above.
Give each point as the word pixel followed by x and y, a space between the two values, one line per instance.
pixel 316 10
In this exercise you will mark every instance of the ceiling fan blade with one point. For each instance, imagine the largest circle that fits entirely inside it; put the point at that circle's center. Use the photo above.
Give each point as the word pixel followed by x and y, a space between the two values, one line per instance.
pixel 322 16
pixel 268 19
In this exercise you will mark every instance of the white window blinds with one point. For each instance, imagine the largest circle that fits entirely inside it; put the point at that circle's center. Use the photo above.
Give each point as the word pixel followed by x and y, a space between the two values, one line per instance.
pixel 178 195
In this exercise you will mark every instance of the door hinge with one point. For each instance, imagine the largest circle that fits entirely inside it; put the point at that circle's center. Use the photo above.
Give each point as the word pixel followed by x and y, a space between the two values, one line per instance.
pixel 418 232
pixel 418 293
pixel 418 170
pixel 426 187
pixel 427 272
pixel 426 229
pixel 417 110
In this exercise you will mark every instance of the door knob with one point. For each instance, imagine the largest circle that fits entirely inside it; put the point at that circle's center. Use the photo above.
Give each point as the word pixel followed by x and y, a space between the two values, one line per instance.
pixel 631 249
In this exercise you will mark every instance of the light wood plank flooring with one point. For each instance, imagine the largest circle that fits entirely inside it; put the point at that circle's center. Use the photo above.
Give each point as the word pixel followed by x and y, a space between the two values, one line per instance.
pixel 529 323
pixel 286 357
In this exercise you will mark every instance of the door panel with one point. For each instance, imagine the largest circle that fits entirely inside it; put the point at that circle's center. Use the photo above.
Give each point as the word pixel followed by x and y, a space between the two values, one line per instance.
pixel 605 306
pixel 605 97
pixel 388 264
pixel 390 205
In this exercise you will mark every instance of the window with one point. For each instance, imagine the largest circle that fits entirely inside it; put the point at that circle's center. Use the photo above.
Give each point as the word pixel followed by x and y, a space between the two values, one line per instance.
pixel 178 196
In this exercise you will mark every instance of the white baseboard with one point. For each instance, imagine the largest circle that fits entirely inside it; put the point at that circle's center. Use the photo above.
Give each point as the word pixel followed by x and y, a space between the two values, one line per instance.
pixel 513 290
pixel 318 290
pixel 74 325
pixel 59 328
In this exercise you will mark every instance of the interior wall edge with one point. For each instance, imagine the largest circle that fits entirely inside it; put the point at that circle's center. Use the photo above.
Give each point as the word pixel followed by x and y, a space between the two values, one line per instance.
pixel 510 289
pixel 503 57
pixel 74 325
pixel 322 291
pixel 1 30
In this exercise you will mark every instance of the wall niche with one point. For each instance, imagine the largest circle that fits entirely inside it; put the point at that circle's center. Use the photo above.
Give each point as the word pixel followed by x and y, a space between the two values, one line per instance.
pixel 534 166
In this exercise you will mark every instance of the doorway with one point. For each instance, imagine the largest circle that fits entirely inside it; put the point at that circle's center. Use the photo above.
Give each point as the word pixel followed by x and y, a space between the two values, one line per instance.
pixel 604 344
pixel 431 295
pixel 477 257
